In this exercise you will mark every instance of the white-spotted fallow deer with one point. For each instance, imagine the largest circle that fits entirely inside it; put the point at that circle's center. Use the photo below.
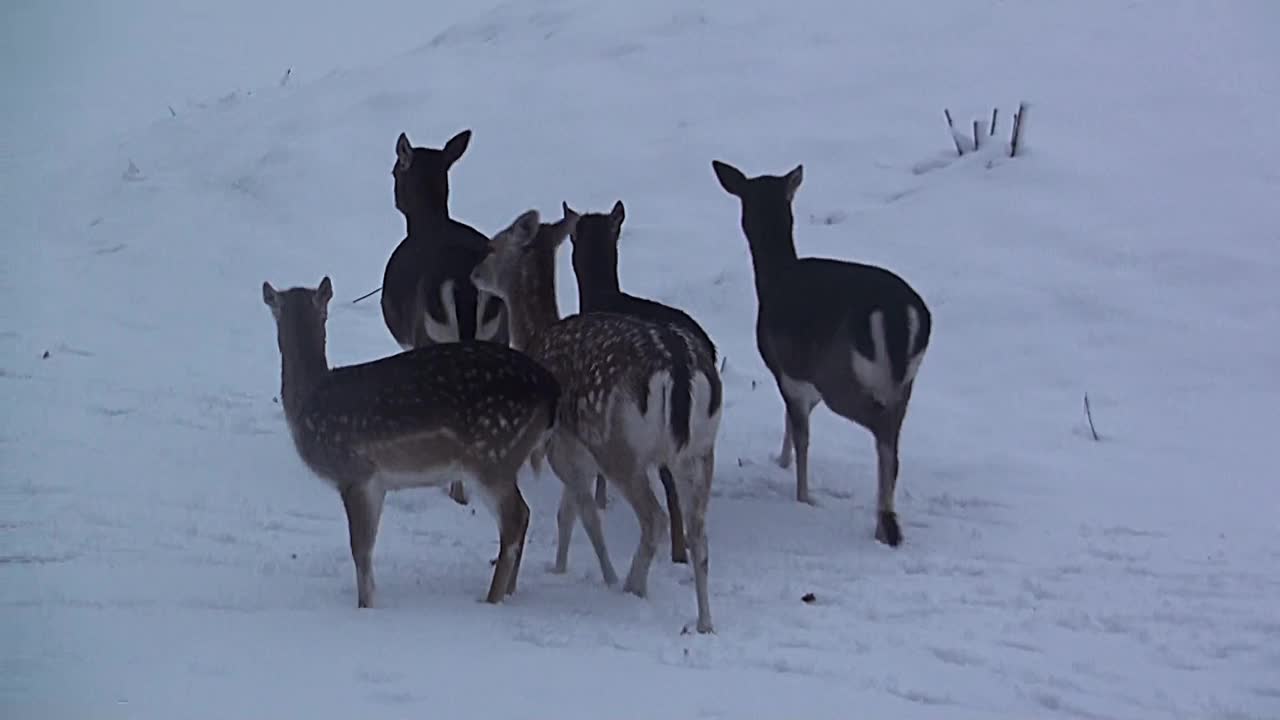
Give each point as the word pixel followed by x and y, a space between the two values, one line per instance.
pixel 634 395
pixel 849 335
pixel 595 265
pixel 418 418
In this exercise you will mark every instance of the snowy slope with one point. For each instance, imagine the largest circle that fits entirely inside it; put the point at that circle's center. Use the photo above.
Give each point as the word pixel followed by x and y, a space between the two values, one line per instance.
pixel 163 553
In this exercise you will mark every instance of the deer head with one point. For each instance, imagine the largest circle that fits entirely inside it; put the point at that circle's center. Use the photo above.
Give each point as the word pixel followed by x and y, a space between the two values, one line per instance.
pixel 422 174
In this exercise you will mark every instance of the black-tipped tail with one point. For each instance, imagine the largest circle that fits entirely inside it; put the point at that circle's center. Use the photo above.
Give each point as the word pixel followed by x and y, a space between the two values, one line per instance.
pixel 681 384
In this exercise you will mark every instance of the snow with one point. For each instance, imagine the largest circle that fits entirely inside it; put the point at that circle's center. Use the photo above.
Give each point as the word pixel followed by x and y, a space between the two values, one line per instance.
pixel 163 552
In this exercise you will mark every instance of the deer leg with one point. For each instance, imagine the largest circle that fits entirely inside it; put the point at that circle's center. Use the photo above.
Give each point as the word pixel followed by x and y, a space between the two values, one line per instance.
pixel 699 473
pixel 575 467
pixel 887 530
pixel 363 503
pixel 602 498
pixel 679 553
pixel 653 523
pixel 783 458
pixel 513 523
pixel 798 421
pixel 458 492
pixel 566 516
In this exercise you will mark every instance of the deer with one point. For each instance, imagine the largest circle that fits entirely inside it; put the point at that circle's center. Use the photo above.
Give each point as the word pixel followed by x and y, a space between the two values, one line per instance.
pixel 595 264
pixel 418 418
pixel 849 335
pixel 427 295
pixel 634 394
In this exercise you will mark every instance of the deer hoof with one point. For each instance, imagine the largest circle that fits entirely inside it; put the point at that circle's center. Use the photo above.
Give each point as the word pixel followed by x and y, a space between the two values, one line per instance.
pixel 887 530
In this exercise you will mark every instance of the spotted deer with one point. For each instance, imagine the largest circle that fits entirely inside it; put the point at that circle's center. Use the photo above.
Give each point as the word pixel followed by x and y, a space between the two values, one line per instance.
pixel 417 418
pixel 427 294
pixel 849 335
pixel 595 264
pixel 634 394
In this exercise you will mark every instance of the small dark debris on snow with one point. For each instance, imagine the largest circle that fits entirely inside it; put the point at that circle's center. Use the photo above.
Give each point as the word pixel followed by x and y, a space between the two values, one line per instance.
pixel 275 400
pixel 45 356
pixel 293 556
pixel 809 598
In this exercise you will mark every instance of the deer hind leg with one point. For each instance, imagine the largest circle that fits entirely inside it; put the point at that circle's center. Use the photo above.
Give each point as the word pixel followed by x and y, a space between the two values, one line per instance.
pixel 602 495
pixel 800 399
pixel 699 471
pixel 513 523
pixel 653 523
pixel 363 503
pixel 887 434
pixel 574 465
pixel 679 551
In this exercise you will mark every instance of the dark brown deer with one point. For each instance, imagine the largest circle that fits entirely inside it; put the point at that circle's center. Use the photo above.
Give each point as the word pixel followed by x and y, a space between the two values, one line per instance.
pixel 427 294
pixel 595 264
pixel 849 335
pixel 419 418
pixel 634 395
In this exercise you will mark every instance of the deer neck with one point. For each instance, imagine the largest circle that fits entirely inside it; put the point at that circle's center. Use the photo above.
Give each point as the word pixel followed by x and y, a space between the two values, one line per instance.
pixel 422 221
pixel 303 364
pixel 773 254
pixel 597 290
pixel 535 308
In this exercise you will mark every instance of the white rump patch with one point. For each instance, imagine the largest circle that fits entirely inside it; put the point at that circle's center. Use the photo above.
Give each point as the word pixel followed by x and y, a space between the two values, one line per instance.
pixel 486 331
pixel 447 331
pixel 914 354
pixel 875 373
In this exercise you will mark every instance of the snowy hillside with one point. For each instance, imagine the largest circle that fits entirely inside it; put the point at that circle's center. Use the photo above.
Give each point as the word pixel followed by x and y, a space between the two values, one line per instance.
pixel 164 553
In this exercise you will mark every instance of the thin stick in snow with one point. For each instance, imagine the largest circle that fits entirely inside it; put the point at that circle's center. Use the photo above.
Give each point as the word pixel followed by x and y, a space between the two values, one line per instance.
pixel 1088 413
pixel 952 127
pixel 994 114
pixel 371 292
pixel 1017 128
pixel 977 134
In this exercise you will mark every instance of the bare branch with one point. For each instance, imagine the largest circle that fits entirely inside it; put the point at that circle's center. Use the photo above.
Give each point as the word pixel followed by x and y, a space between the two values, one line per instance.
pixel 371 292
pixel 1018 121
pixel 952 127
pixel 1088 413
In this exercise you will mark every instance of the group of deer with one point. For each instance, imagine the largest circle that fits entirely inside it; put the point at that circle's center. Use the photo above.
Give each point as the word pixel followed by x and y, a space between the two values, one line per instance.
pixel 492 376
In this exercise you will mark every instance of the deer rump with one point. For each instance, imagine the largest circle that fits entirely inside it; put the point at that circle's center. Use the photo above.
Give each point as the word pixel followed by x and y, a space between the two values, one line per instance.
pixel 428 297
pixel 649 410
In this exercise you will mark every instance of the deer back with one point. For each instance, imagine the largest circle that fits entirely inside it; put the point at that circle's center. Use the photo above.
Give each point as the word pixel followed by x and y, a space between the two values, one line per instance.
pixel 469 402
pixel 603 360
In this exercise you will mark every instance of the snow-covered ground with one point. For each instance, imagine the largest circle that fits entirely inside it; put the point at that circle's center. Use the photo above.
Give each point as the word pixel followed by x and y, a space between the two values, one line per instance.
pixel 164 554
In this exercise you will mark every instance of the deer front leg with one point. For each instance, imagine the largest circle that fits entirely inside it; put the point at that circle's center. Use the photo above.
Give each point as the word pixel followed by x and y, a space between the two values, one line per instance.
pixel 784 456
pixel 363 503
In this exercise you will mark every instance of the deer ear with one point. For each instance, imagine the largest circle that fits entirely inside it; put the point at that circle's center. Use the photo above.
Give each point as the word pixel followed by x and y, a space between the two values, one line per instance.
pixel 524 230
pixel 404 152
pixel 568 211
pixel 617 215
pixel 793 179
pixel 730 177
pixel 324 293
pixel 269 295
pixel 456 146
pixel 570 221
